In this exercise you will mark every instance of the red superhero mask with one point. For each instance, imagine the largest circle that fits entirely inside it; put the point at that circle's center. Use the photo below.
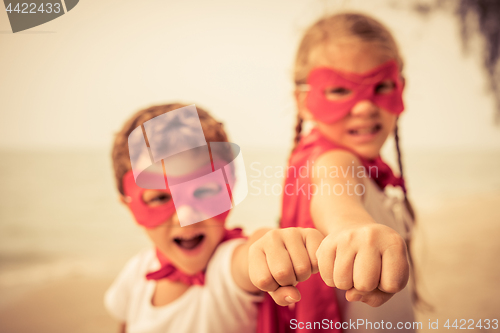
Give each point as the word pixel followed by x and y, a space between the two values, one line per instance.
pixel 365 86
pixel 205 192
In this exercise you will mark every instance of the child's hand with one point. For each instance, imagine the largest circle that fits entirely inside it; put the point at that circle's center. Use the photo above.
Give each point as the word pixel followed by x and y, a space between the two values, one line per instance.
pixel 369 261
pixel 282 258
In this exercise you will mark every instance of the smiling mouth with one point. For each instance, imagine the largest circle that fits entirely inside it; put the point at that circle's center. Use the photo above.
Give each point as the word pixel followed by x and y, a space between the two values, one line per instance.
pixel 366 130
pixel 189 243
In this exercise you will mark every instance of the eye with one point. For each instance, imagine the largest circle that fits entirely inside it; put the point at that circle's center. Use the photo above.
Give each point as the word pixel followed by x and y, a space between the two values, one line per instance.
pixel 385 87
pixel 154 198
pixel 207 190
pixel 337 93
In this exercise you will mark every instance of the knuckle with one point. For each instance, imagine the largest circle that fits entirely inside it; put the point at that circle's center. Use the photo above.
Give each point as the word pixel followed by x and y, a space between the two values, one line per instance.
pixel 310 231
pixel 397 240
pixel 253 249
pixel 328 245
pixel 290 232
pixel 394 287
pixel 302 272
pixel 370 234
pixel 398 248
pixel 273 234
pixel 319 253
pixel 327 279
pixel 329 283
pixel 343 285
pixel 347 237
pixel 364 287
pixel 314 264
pixel 264 283
pixel 370 237
pixel 282 274
pixel 323 265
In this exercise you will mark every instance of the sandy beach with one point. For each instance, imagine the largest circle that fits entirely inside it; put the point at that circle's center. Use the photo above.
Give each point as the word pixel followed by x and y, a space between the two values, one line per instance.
pixel 457 251
pixel 68 305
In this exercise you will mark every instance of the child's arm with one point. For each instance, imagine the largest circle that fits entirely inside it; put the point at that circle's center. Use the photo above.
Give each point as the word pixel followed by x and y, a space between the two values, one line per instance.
pixel 359 255
pixel 280 259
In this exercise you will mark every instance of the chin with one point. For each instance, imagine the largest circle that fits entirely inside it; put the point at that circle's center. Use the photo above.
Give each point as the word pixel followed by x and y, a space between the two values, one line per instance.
pixel 368 152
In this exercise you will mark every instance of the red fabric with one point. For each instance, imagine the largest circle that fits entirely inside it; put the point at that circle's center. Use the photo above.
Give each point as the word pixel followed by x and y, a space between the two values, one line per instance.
pixel 171 272
pixel 151 217
pixel 362 87
pixel 318 300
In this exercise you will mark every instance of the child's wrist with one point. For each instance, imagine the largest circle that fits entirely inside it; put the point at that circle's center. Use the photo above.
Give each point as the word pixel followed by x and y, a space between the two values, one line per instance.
pixel 347 224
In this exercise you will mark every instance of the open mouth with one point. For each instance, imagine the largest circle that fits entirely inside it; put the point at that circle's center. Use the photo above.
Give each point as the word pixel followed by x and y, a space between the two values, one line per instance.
pixel 189 242
pixel 366 130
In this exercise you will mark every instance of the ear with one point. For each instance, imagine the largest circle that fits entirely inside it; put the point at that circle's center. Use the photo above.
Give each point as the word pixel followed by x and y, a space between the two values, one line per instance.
pixel 300 101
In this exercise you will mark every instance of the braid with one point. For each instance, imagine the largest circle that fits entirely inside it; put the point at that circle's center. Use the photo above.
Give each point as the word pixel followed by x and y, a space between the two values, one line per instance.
pixel 396 137
pixel 298 130
pixel 400 163
pixel 418 300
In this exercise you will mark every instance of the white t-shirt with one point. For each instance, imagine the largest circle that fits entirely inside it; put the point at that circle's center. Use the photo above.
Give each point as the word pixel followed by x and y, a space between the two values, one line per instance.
pixel 218 306
pixel 386 207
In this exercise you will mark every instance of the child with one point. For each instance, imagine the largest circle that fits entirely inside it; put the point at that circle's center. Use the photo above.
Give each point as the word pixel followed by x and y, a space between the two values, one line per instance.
pixel 196 277
pixel 349 87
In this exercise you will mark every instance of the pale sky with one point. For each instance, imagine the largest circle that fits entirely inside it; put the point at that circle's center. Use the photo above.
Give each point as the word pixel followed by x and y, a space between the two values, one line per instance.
pixel 71 82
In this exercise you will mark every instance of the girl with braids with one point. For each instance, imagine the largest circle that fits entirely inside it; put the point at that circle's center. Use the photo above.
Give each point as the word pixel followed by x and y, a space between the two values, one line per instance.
pixel 349 84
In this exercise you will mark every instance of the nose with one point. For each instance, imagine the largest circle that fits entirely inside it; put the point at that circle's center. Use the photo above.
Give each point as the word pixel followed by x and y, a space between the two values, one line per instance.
pixel 364 108
pixel 186 215
pixel 175 220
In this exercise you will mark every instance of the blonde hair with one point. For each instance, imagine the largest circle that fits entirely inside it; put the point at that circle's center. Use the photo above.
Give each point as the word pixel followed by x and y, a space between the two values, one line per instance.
pixel 212 129
pixel 338 27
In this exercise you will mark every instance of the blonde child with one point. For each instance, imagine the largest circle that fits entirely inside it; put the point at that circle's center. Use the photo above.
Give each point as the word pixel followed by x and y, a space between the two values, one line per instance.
pixel 349 83
pixel 195 278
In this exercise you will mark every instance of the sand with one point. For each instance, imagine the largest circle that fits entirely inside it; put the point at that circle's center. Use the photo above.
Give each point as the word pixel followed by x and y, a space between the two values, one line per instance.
pixel 457 255
pixel 66 306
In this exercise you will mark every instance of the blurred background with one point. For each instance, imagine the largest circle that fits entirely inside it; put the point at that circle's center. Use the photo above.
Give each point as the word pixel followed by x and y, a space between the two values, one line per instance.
pixel 67 86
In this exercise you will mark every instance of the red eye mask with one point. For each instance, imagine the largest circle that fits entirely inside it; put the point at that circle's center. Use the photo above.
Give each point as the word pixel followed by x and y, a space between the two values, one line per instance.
pixel 362 87
pixel 190 191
